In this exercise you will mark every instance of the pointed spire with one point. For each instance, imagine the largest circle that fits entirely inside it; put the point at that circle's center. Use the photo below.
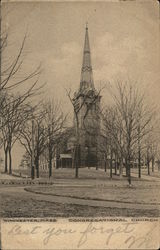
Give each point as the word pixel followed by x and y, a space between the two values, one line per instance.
pixel 86 72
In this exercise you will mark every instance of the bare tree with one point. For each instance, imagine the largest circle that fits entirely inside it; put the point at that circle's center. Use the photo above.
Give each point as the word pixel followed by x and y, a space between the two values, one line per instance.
pixel 13 71
pixel 25 162
pixel 112 132
pixel 150 149
pixel 77 108
pixel 12 67
pixel 12 75
pixel 33 128
pixel 145 117
pixel 13 115
pixel 133 119
pixel 40 140
pixel 26 140
pixel 54 124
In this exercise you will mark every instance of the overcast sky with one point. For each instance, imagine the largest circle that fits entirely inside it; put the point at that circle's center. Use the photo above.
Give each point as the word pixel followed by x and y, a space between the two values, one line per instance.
pixel 124 41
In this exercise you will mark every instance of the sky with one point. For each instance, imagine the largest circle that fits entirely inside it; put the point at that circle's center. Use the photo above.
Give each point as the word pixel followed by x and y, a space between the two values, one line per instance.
pixel 124 41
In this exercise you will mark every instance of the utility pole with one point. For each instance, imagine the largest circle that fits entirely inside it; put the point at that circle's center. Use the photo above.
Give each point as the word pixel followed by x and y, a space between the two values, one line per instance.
pixel 111 161
pixel 49 151
pixel 32 156
pixel 139 153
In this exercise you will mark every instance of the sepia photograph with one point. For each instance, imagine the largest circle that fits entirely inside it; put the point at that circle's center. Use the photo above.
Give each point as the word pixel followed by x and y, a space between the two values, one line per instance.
pixel 79 112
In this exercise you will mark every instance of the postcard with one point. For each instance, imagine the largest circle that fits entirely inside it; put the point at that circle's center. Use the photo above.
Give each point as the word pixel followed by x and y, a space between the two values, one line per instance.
pixel 80 125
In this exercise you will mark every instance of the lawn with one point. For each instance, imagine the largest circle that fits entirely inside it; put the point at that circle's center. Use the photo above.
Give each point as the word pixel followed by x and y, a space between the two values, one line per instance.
pixel 148 193
pixel 84 173
pixel 91 184
pixel 21 206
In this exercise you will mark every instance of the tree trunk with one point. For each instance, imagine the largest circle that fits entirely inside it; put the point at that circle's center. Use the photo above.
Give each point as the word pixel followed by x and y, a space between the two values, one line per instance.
pixel 152 164
pixel 115 165
pixel 32 168
pixel 6 160
pixel 139 153
pixel 148 167
pixel 37 166
pixel 88 158
pixel 129 168
pixel 139 163
pixel 105 166
pixel 126 165
pixel 73 158
pixel 50 165
pixel 111 164
pixel 32 154
pixel 77 160
pixel 129 172
pixel 10 161
pixel 120 168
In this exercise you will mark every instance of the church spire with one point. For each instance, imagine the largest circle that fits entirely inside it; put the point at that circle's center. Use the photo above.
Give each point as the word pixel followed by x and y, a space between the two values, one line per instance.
pixel 86 72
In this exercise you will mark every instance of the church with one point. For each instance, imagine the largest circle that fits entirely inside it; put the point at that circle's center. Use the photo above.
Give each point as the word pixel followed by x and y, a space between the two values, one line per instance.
pixel 86 128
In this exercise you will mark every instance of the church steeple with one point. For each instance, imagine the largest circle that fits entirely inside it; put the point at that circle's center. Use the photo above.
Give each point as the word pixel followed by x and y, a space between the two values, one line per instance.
pixel 86 82
pixel 86 103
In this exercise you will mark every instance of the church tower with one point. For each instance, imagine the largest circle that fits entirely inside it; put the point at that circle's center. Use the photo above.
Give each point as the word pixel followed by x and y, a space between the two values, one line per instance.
pixel 87 105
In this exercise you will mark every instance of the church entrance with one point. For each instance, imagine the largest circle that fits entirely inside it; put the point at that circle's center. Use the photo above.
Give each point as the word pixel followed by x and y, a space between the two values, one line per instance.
pixel 91 160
